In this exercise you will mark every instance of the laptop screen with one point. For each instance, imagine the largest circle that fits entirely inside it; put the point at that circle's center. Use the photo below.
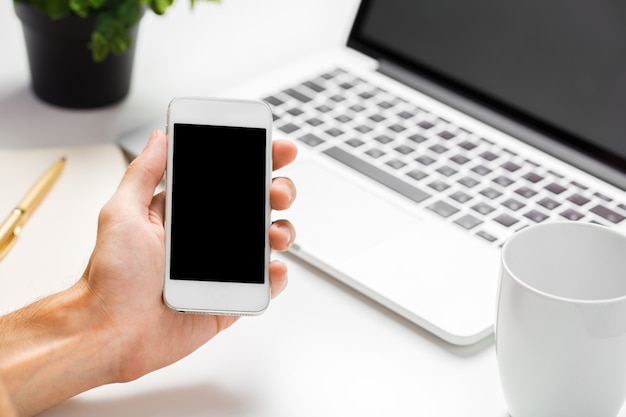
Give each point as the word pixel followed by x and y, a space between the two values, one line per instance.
pixel 558 65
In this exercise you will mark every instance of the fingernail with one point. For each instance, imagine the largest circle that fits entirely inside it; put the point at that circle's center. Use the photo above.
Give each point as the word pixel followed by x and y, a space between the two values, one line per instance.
pixel 287 189
pixel 287 232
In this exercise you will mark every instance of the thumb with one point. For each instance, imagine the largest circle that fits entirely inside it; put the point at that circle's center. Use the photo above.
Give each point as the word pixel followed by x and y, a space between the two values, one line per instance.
pixel 146 171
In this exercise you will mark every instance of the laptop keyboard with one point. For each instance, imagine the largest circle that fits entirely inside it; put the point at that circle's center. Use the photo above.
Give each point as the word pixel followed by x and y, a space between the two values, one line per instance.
pixel 464 178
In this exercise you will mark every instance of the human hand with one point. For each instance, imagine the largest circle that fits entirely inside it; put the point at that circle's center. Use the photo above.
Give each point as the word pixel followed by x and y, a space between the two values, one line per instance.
pixel 124 277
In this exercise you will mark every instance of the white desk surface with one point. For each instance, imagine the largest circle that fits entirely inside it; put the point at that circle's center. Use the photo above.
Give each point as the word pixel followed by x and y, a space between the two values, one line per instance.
pixel 321 349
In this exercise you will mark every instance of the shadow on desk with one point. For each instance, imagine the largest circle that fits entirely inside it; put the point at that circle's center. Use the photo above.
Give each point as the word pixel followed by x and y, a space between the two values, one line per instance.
pixel 201 399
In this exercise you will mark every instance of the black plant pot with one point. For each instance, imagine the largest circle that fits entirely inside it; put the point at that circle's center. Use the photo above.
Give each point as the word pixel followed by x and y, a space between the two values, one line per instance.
pixel 63 72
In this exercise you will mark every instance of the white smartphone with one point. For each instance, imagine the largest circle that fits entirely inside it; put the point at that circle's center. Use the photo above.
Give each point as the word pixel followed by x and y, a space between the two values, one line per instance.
pixel 217 206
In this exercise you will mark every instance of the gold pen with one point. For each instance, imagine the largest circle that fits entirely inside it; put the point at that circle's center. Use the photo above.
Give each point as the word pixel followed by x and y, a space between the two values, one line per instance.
pixel 11 227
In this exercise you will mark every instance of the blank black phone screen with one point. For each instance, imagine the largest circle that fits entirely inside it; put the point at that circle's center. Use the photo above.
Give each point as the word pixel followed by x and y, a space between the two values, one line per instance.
pixel 218 230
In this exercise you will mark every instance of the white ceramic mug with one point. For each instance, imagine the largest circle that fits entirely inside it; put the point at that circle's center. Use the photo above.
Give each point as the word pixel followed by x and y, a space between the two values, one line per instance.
pixel 561 321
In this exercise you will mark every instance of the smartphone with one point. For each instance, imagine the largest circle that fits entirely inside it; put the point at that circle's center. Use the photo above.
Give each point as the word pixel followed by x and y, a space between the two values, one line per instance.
pixel 217 210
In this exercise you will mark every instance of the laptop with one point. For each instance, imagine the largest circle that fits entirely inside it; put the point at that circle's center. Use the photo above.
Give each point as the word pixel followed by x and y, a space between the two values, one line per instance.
pixel 436 132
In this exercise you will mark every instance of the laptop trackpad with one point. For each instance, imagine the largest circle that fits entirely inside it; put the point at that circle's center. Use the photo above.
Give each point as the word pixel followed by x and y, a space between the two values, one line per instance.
pixel 336 219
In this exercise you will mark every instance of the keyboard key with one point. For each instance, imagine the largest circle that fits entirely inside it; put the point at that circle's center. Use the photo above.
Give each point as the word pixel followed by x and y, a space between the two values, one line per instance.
pixel 446 135
pixel 469 182
pixel 491 193
pixel 404 149
pixel 376 118
pixel 526 192
pixel 383 139
pixel 417 138
pixel 310 139
pixel 531 162
pixel 483 208
pixel 460 159
pixel 354 142
pixel 377 174
pixel 297 95
pixel 342 118
pixel 571 214
pixel 334 132
pixel 556 174
pixel 555 188
pixel 461 197
pixel 442 208
pixel 288 128
pixel 489 156
pixel 274 101
pixel 314 121
pixel 578 199
pixel 608 214
pixel 548 203
pixel 446 171
pixel 363 128
pixel 506 220
pixel 536 216
pixel 438 185
pixel 375 153
pixel 323 108
pixel 468 221
pixel 425 160
pixel 438 148
pixel 510 166
pixel 579 185
pixel 503 181
pixel 314 86
pixel 397 128
pixel 481 170
pixel 467 145
pixel 417 174
pixel 396 163
pixel 513 204
pixel 357 108
pixel 487 236
pixel 532 177
pixel 295 111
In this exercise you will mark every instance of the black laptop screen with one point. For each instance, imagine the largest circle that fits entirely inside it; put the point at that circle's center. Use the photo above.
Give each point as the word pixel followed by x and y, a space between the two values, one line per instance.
pixel 557 64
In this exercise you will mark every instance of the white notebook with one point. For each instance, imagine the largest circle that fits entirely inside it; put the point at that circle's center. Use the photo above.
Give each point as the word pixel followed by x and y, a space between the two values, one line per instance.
pixel 54 245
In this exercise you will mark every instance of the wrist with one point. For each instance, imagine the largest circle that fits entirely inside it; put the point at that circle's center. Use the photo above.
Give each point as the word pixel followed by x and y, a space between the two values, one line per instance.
pixel 55 349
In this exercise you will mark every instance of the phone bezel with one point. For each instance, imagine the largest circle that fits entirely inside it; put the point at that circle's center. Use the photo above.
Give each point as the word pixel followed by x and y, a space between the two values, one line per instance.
pixel 226 298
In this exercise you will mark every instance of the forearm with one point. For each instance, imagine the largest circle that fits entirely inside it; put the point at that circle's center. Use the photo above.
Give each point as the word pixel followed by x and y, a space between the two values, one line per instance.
pixel 52 350
pixel 6 405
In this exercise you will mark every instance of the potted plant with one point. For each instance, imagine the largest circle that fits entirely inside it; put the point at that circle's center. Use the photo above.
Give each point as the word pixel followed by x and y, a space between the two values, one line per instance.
pixel 81 52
